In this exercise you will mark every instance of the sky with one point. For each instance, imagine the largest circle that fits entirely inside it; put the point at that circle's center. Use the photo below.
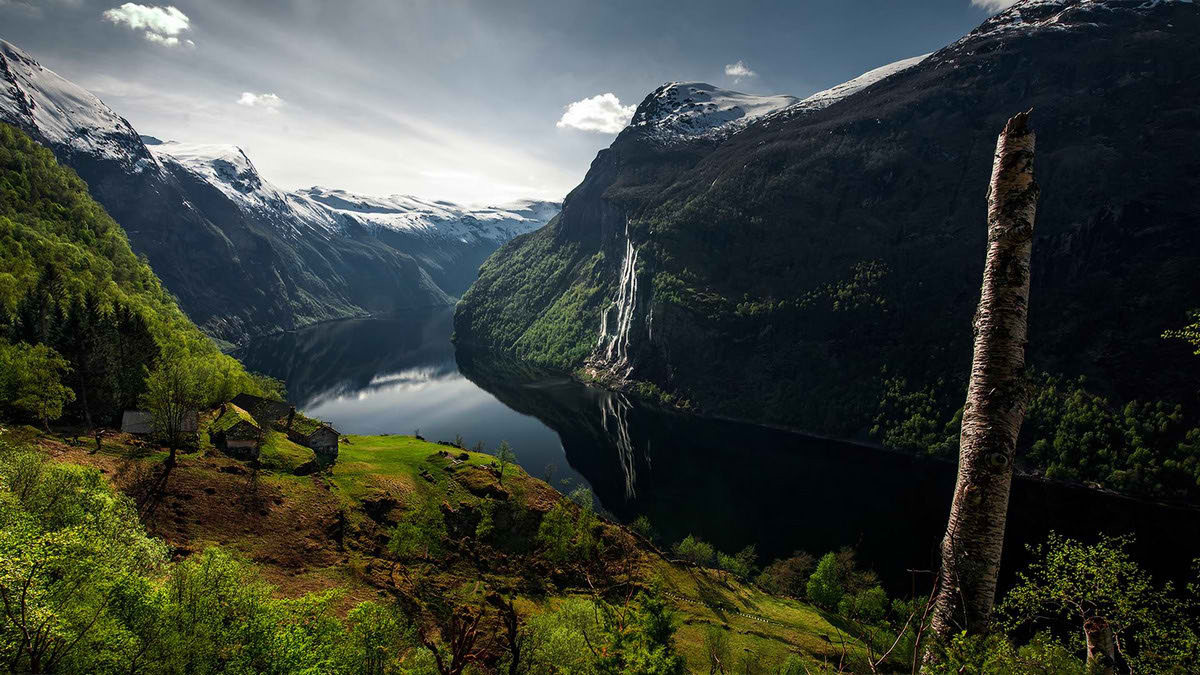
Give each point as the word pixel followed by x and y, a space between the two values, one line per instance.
pixel 473 101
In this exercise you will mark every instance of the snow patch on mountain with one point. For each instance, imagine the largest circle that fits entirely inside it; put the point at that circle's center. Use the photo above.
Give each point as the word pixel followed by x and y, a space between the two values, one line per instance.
pixel 691 110
pixel 434 218
pixel 228 169
pixel 687 110
pixel 59 112
pixel 1029 15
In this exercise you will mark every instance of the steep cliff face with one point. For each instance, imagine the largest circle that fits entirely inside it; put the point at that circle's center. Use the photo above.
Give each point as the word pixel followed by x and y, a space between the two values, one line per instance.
pixel 779 269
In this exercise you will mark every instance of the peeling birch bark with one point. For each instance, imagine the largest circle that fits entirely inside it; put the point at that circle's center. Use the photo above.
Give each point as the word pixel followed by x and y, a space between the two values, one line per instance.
pixel 996 396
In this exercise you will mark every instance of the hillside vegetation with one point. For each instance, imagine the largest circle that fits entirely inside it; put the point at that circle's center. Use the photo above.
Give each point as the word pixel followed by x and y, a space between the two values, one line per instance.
pixel 84 321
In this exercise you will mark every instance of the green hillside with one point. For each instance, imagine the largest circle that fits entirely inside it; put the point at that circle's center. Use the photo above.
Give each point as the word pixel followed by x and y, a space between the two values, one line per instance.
pixel 70 283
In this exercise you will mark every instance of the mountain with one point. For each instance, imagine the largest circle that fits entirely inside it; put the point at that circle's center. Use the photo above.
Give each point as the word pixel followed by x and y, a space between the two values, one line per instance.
pixel 784 267
pixel 243 257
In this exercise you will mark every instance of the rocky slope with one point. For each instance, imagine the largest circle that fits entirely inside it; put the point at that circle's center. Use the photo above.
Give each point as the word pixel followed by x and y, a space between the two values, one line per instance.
pixel 777 270
pixel 244 257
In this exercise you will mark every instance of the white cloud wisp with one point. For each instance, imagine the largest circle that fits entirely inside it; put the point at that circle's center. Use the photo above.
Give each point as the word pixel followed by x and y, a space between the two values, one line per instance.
pixel 161 25
pixel 268 102
pixel 739 71
pixel 602 113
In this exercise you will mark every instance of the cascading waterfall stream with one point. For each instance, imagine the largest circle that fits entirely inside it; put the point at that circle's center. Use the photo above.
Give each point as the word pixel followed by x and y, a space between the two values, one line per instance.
pixel 615 346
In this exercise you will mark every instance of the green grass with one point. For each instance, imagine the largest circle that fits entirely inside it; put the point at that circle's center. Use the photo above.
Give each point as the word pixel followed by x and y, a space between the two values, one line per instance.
pixel 232 416
pixel 305 425
pixel 769 626
pixel 277 453
pixel 366 462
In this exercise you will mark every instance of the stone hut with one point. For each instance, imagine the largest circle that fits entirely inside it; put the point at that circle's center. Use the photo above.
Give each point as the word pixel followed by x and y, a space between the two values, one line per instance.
pixel 236 432
pixel 314 434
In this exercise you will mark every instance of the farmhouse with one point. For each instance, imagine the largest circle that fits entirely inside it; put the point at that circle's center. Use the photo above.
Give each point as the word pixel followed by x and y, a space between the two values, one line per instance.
pixel 314 434
pixel 236 432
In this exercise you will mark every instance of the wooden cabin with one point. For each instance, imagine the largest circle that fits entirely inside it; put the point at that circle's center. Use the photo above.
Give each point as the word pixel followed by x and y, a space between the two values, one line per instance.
pixel 236 432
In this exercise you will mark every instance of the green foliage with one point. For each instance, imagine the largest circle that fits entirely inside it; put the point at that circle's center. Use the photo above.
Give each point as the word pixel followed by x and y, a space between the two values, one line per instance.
pixel 68 548
pixel 556 532
pixel 568 536
pixel 1069 433
pixel 994 654
pixel 788 576
pixel 563 640
pixel 1144 448
pixel 83 589
pixel 911 420
pixel 504 457
pixel 741 564
pixel 869 605
pixel 537 299
pixel 232 416
pixel 824 587
pixel 644 527
pixel 639 640
pixel 1189 333
pixel 1071 583
pixel 69 281
pixel 420 533
pixel 694 550
pixel 487 519
pixel 31 377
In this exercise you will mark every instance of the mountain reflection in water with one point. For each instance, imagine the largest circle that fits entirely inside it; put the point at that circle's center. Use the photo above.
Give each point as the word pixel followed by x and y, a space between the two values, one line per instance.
pixel 732 484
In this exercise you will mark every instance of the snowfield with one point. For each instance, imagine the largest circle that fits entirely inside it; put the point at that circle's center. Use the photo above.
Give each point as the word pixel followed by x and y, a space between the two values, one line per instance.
pixel 330 211
pixel 36 98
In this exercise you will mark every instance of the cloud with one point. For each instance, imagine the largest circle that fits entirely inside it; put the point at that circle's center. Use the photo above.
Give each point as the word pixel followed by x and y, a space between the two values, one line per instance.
pixel 602 113
pixel 740 70
pixel 268 102
pixel 993 6
pixel 162 25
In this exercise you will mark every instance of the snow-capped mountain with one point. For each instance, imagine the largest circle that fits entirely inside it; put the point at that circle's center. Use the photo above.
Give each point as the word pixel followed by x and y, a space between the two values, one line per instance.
pixel 686 110
pixel 824 99
pixel 448 240
pixel 39 101
pixel 679 111
pixel 1061 15
pixel 332 211
pixel 434 219
pixel 243 256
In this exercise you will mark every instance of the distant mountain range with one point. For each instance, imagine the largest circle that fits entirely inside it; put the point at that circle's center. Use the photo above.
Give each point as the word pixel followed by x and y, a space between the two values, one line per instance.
pixel 779 260
pixel 244 257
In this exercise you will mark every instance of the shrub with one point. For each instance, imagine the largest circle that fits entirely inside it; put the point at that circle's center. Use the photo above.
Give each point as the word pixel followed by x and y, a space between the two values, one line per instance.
pixel 788 576
pixel 694 551
pixel 824 587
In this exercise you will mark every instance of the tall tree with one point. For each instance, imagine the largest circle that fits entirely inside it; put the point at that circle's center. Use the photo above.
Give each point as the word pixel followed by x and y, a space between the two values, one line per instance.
pixel 174 392
pixel 996 395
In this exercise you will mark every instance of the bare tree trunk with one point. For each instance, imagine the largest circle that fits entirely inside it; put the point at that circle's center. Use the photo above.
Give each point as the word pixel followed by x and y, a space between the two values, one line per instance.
pixel 996 396
pixel 1101 651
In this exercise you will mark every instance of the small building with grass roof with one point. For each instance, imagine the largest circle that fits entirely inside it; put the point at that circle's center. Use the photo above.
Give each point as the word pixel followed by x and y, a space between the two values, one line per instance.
pixel 236 432
pixel 314 434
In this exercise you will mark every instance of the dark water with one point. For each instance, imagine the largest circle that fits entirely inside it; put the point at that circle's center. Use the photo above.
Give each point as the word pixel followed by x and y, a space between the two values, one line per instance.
pixel 729 483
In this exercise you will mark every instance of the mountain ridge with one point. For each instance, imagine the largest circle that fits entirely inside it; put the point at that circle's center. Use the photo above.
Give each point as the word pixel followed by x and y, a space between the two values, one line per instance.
pixel 244 257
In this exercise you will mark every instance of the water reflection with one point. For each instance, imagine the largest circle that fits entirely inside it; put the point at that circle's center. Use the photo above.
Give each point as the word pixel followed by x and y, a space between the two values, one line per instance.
pixel 732 484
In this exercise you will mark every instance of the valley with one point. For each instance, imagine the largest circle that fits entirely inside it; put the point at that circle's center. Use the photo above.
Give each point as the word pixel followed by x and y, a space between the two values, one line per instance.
pixel 898 376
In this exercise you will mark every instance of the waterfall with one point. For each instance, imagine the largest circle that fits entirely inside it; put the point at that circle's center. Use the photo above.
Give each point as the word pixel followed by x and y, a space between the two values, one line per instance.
pixel 615 409
pixel 615 346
